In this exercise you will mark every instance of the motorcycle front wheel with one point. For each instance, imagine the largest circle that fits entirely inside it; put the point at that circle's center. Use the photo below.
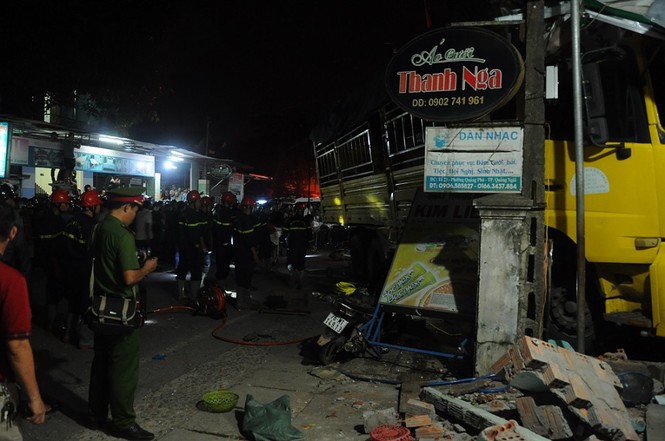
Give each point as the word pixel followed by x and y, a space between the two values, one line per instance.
pixel 330 350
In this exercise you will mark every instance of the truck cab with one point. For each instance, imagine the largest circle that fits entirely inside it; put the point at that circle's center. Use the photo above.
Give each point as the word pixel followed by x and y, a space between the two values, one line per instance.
pixel 623 184
pixel 370 172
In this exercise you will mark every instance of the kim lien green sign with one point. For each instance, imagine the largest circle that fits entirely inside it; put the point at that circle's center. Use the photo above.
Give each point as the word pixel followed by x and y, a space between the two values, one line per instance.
pixel 454 74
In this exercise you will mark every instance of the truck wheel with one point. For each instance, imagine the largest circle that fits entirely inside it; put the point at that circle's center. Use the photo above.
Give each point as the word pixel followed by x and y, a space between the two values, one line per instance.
pixel 562 304
pixel 330 350
pixel 563 319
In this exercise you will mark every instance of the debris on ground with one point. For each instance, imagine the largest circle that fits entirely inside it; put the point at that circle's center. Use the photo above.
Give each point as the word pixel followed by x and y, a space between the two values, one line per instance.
pixel 555 393
pixel 540 391
pixel 585 386
pixel 376 418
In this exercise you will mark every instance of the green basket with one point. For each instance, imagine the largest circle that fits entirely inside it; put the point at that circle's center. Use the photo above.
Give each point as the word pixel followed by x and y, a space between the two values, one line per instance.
pixel 220 400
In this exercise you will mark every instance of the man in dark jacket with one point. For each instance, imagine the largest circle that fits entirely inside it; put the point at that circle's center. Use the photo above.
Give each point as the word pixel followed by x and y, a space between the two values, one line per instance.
pixel 192 247
pixel 222 233
pixel 77 236
pixel 298 234
pixel 49 251
pixel 17 254
pixel 245 247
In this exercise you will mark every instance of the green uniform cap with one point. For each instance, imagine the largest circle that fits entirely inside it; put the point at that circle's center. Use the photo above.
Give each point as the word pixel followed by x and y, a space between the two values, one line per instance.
pixel 129 195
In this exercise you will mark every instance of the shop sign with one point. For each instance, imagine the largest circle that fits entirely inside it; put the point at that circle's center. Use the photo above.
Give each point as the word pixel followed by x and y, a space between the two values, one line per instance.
pixel 435 266
pixel 474 159
pixel 40 153
pixel 4 148
pixel 454 74
pixel 100 160
pixel 236 185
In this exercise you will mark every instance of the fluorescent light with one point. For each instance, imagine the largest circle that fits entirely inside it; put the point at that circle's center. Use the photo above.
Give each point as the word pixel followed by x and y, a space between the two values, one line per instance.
pixel 169 165
pixel 176 159
pixel 177 153
pixel 111 140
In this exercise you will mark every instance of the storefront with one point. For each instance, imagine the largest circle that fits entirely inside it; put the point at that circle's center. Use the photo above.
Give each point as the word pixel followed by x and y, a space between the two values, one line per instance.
pixel 37 158
pixel 32 153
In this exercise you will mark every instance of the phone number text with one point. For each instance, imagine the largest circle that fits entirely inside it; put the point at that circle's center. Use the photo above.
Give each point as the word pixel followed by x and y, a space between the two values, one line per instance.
pixel 474 100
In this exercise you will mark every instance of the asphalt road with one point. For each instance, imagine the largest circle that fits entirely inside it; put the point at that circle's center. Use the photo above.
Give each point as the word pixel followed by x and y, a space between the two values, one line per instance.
pixel 178 346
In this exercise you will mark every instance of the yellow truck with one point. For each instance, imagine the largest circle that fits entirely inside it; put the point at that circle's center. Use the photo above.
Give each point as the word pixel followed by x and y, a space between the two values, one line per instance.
pixel 370 166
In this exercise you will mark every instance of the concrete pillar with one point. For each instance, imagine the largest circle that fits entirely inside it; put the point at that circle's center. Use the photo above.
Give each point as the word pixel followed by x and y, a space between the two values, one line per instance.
pixel 204 186
pixel 153 187
pixel 503 245
pixel 194 171
pixel 28 182
pixel 86 178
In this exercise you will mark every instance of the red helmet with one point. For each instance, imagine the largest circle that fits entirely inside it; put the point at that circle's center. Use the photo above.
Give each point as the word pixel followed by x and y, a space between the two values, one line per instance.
pixel 247 202
pixel 193 196
pixel 60 197
pixel 206 200
pixel 229 197
pixel 90 198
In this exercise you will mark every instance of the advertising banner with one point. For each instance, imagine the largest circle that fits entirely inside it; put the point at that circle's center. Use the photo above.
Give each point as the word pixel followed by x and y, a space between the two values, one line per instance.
pixel 96 159
pixel 474 159
pixel 436 263
pixel 41 153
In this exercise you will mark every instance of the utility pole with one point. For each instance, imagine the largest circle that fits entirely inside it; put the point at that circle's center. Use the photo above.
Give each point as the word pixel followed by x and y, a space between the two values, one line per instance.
pixel 207 141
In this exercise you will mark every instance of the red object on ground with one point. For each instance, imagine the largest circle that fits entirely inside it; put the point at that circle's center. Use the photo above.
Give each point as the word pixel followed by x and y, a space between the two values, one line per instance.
pixel 390 433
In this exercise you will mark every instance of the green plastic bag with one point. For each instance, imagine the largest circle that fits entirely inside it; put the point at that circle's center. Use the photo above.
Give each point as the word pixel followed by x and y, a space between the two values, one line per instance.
pixel 269 422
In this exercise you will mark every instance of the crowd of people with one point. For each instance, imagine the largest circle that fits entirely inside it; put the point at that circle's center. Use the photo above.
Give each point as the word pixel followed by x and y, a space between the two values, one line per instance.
pixel 231 231
pixel 202 237
pixel 174 193
pixel 56 238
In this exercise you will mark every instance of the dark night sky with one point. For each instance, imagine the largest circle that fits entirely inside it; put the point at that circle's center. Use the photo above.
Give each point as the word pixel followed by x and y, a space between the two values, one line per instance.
pixel 261 72
pixel 264 71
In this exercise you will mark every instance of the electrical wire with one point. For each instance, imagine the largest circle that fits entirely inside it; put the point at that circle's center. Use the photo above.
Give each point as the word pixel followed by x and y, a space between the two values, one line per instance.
pixel 494 390
pixel 172 308
pixel 461 380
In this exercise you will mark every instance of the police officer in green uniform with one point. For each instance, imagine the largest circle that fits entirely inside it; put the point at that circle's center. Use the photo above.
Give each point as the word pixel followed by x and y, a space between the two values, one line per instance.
pixel 115 368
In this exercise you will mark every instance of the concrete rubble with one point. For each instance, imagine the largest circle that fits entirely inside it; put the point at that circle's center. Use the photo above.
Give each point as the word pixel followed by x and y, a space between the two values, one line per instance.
pixel 556 394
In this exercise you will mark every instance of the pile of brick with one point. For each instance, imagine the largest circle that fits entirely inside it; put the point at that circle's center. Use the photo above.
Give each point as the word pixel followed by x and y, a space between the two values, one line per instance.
pixel 420 418
pixel 586 388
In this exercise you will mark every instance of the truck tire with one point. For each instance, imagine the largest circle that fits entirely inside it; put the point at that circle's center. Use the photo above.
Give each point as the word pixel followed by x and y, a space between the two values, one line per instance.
pixel 563 319
pixel 562 304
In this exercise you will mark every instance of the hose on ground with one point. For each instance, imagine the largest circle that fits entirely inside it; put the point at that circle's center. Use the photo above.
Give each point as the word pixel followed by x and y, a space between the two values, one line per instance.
pixel 172 308
pixel 252 343
pixel 425 384
pixel 221 325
